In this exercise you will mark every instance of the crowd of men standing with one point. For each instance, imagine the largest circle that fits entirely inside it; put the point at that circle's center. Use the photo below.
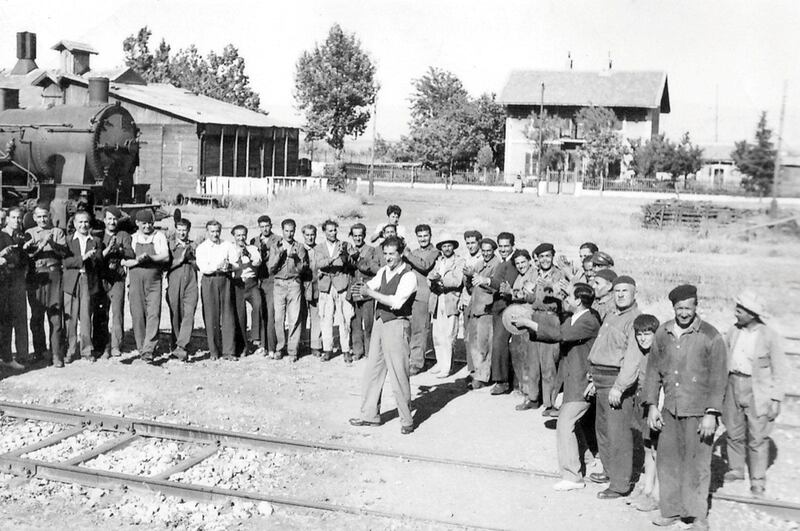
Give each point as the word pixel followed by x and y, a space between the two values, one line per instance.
pixel 532 321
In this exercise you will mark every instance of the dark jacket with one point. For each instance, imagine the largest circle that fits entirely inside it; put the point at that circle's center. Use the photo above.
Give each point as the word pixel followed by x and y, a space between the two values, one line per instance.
pixel 690 368
pixel 74 262
pixel 576 342
pixel 111 267
pixel 421 262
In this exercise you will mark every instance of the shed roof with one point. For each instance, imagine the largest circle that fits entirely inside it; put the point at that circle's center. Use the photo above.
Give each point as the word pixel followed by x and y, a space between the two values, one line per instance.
pixel 568 88
pixel 717 152
pixel 73 46
pixel 186 105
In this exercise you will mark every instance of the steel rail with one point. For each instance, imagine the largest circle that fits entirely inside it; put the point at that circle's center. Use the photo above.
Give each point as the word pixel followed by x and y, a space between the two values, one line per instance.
pixel 107 480
pixel 206 436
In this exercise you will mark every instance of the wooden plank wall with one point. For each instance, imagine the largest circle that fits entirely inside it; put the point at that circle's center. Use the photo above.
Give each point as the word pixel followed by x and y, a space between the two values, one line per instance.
pixel 168 159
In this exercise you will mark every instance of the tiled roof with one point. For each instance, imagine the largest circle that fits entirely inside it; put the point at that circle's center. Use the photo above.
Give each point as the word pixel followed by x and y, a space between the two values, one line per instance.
pixel 611 88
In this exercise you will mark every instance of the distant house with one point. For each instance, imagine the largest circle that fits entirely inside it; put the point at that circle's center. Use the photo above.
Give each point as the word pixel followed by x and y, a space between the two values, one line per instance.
pixel 184 136
pixel 789 180
pixel 718 170
pixel 637 98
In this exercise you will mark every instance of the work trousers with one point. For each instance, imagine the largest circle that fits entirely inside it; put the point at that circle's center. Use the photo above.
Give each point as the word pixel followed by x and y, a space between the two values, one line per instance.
pixel 361 329
pixel 683 465
pixel 389 353
pixel 614 432
pixel 244 293
pixel 182 297
pixel 746 428
pixel 267 286
pixel 479 346
pixel 420 332
pixel 335 310
pixel 13 319
pixel 568 433
pixel 444 329
pixel 463 326
pixel 78 313
pixel 287 294
pixel 46 298
pixel 218 315
pixel 534 363
pixel 501 358
pixel 145 297
pixel 109 313
pixel 309 315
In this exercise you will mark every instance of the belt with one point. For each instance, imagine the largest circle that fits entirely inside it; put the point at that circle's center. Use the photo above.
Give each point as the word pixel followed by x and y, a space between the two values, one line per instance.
pixel 48 268
pixel 294 279
pixel 740 374
pixel 217 274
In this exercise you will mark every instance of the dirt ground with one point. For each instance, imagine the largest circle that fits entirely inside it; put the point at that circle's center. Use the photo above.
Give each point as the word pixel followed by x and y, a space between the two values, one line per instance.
pixel 313 400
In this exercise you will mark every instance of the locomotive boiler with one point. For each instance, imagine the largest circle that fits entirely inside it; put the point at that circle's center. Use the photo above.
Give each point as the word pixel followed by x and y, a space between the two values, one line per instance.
pixel 70 153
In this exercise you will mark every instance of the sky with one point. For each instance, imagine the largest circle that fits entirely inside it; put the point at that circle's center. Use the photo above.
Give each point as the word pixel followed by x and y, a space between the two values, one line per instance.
pixel 726 59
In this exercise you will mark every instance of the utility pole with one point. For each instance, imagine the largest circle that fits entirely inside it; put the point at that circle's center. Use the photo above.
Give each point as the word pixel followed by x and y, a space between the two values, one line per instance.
pixel 773 207
pixel 374 140
pixel 541 138
pixel 716 115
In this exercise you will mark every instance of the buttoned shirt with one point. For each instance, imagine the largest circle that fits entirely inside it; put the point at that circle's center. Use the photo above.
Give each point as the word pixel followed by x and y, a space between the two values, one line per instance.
pixel 615 336
pixel 249 260
pixel 210 256
pixel 83 241
pixel 53 251
pixel 742 350
pixel 691 368
pixel 285 267
pixel 405 289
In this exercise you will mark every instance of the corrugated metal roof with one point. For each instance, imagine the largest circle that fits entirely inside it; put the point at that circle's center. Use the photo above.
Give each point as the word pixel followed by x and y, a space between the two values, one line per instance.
pixel 611 88
pixel 73 46
pixel 187 105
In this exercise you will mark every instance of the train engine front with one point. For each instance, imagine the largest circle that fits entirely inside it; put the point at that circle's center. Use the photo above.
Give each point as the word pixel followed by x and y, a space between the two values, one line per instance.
pixel 63 152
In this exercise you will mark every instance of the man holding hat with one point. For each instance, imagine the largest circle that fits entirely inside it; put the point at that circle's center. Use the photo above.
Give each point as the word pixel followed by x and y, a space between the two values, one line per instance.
pixel 46 248
pixel 151 252
pixel 688 361
pixel 756 371
pixel 478 315
pixel 111 297
pixel 446 280
pixel 603 282
pixel 613 417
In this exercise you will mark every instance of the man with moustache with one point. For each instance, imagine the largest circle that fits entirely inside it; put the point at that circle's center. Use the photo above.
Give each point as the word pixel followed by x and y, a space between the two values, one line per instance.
pixel 688 361
pixel 265 240
pixel 310 306
pixel 614 412
pixel 288 262
pixel 245 290
pixel 110 309
pixel 478 316
pixel 13 311
pixel 446 281
pixel 46 248
pixel 473 259
pixel 421 261
pixel 501 282
pixel 367 262
pixel 335 310
pixel 603 282
pixel 182 289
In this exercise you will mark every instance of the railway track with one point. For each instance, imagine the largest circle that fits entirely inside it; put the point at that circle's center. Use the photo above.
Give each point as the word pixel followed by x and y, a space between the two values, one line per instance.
pixel 211 441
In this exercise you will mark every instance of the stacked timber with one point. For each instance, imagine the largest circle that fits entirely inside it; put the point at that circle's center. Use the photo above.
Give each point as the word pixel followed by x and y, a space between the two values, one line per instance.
pixel 689 214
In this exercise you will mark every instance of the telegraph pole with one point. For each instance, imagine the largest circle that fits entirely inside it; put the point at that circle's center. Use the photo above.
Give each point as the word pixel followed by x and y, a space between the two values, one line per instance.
pixel 773 207
pixel 374 140
pixel 541 127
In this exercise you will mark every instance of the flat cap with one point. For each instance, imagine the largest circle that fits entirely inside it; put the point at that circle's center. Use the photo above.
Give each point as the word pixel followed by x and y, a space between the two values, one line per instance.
pixel 145 216
pixel 623 279
pixel 682 292
pixel 114 211
pixel 608 275
pixel 602 259
pixel 543 248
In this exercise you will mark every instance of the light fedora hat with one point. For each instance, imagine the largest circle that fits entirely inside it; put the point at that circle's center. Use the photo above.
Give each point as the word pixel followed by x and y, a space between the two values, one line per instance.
pixel 446 238
pixel 753 302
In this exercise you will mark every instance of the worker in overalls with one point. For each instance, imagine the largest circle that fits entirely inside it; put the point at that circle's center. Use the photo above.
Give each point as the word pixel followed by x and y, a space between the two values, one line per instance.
pixel 145 272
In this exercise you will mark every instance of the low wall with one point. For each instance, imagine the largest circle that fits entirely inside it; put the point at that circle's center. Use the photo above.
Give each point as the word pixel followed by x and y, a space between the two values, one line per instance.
pixel 255 186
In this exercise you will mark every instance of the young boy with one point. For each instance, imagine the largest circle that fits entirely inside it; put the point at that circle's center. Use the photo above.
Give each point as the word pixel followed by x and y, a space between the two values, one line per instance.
pixel 645 326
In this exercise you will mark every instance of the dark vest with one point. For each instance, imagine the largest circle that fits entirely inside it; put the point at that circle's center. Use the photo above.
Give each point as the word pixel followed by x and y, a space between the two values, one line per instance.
pixel 383 312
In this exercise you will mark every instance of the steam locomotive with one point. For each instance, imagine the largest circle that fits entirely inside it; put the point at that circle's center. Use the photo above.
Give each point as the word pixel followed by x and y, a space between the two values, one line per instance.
pixel 71 154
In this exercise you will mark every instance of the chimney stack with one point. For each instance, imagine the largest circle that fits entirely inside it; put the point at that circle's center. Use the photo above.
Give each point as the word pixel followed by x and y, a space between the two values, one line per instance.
pixel 569 60
pixel 609 60
pixel 26 53
pixel 98 90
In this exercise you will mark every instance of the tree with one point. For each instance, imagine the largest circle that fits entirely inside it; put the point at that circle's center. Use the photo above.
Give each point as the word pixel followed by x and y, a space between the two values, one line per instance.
pixel 659 154
pixel 685 158
pixel 549 128
pixel 603 146
pixel 490 126
pixel 757 161
pixel 335 85
pixel 219 76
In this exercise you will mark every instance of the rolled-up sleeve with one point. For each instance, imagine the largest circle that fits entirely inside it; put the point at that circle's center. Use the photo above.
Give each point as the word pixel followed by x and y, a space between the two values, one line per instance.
pixel 375 282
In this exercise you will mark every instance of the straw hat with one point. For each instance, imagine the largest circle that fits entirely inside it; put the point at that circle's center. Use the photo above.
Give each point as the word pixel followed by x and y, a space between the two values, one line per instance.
pixel 751 301
pixel 447 238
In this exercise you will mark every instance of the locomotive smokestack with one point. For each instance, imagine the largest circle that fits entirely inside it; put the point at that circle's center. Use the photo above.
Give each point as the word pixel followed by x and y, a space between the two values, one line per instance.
pixel 26 53
pixel 9 99
pixel 98 90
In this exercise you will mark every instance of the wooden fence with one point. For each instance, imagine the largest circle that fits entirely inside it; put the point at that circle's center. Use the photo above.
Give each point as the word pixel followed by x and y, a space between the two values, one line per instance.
pixel 257 186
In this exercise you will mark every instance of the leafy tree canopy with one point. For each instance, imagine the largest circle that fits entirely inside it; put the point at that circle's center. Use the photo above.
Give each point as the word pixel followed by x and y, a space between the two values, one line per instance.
pixel 220 76
pixel 757 161
pixel 335 86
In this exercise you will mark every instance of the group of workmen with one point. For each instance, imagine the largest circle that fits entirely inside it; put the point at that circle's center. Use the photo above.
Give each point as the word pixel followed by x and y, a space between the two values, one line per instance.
pixel 532 322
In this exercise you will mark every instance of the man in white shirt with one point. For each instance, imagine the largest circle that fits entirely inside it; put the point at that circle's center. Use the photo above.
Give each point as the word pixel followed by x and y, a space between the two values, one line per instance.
pixel 215 260
pixel 145 287
pixel 245 290
pixel 393 289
